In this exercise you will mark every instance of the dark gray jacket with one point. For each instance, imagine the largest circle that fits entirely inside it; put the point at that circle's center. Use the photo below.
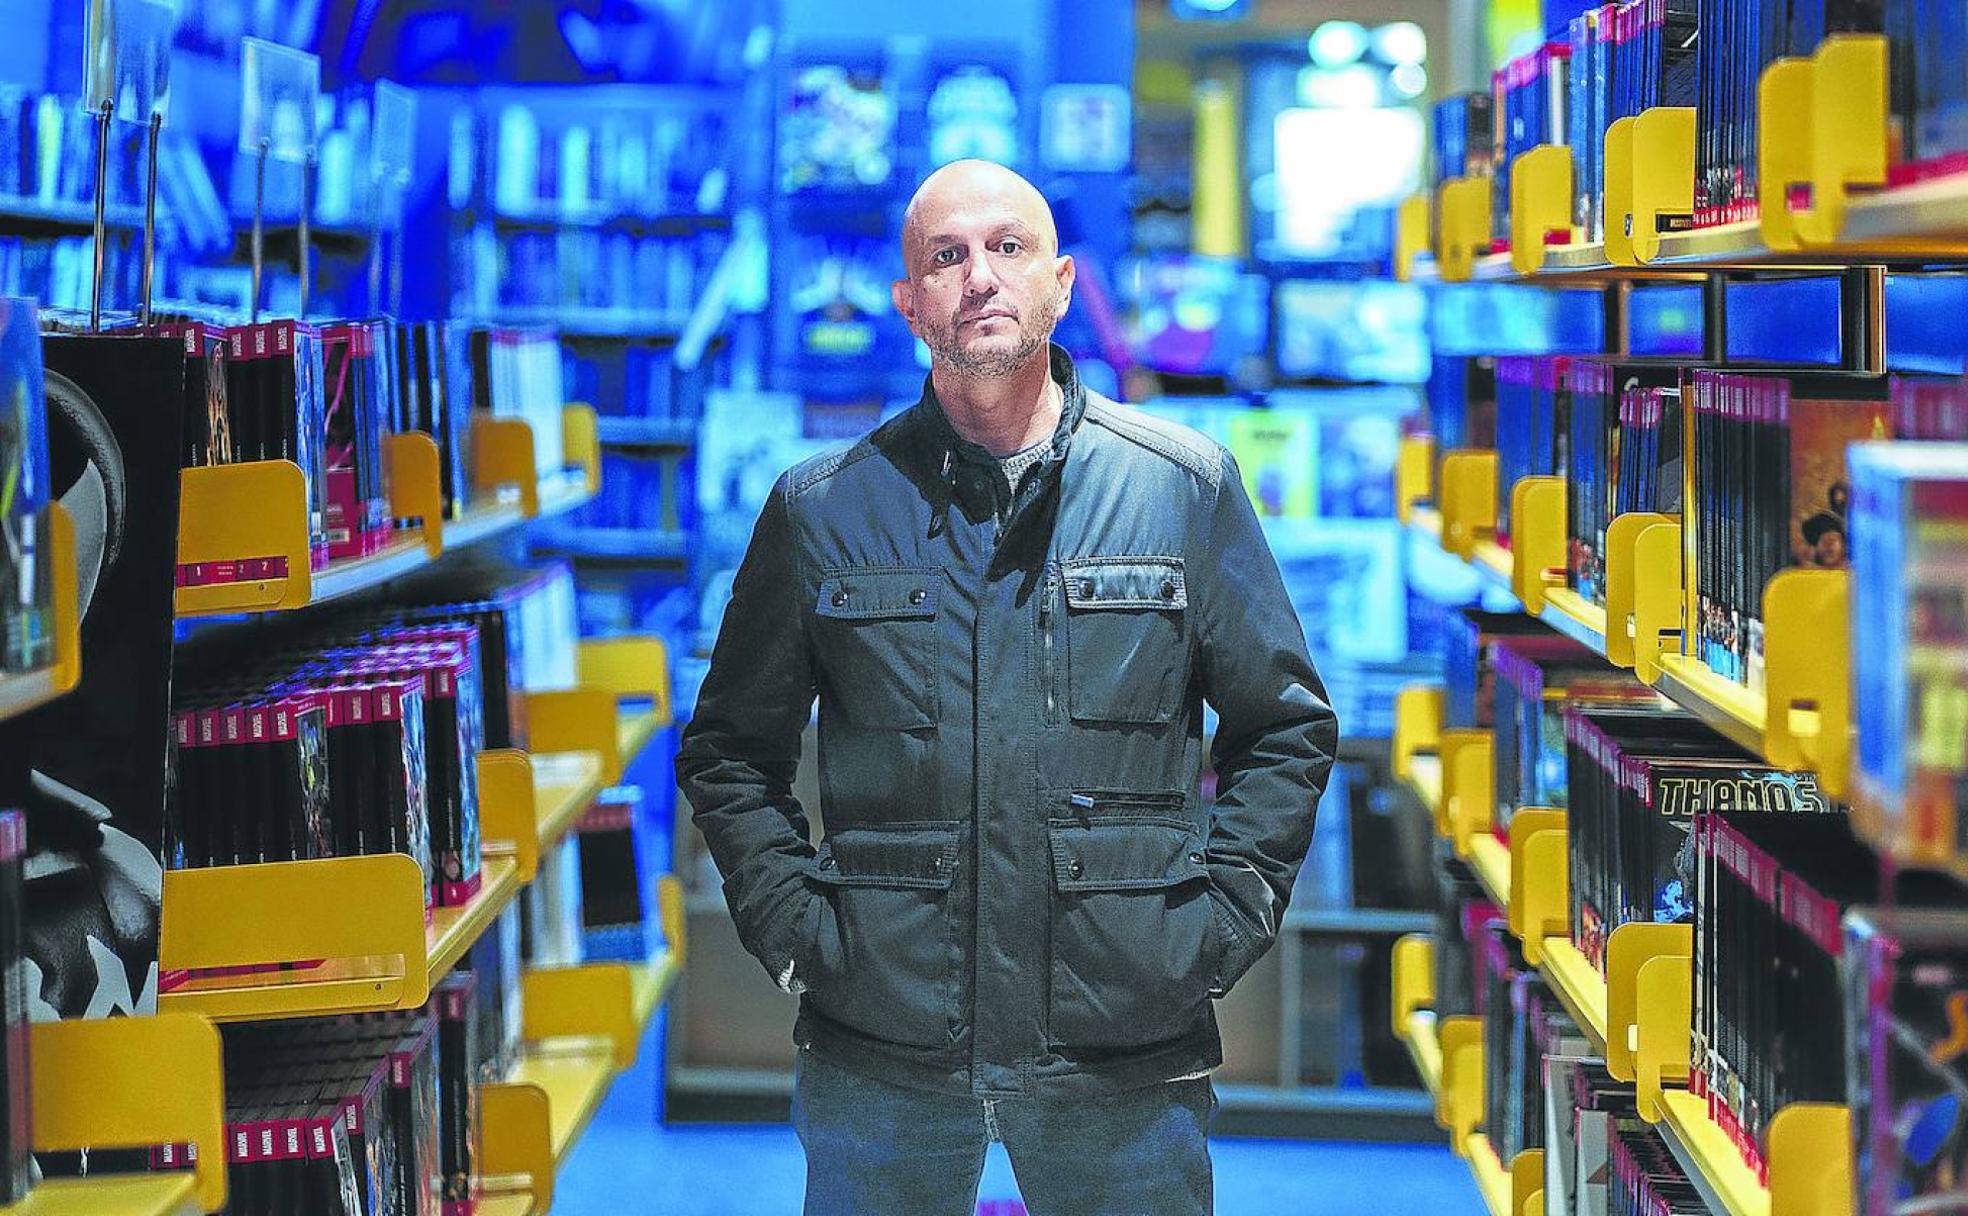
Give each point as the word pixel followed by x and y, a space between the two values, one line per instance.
pixel 1020 890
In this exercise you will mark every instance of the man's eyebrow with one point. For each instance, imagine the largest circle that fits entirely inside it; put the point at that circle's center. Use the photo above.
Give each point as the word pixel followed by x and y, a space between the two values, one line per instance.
pixel 1018 227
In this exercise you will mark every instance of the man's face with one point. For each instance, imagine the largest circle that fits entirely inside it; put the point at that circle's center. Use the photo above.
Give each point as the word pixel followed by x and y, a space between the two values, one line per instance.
pixel 985 284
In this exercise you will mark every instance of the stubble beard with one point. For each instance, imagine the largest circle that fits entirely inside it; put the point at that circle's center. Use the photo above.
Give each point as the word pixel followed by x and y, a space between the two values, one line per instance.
pixel 997 364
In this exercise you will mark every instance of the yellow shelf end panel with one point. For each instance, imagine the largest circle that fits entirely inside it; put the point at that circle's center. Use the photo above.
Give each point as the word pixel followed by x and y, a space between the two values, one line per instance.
pixel 1630 948
pixel 516 1155
pixel 1526 1178
pixel 1538 540
pixel 528 803
pixel 1663 175
pixel 634 668
pixel 1811 1160
pixel 1808 674
pixel 502 461
pixel 1663 996
pixel 415 473
pixel 112 1195
pixel 1643 588
pixel 580 439
pixel 1467 491
pixel 1469 787
pixel 1414 475
pixel 1464 232
pixel 1847 131
pixel 1493 1178
pixel 1418 711
pixel 1708 1151
pixel 1580 988
pixel 1414 978
pixel 1539 903
pixel 357 923
pixel 1411 235
pixel 1540 205
pixel 252 512
pixel 608 1001
pixel 1783 146
pixel 1459 1101
pixel 97 1083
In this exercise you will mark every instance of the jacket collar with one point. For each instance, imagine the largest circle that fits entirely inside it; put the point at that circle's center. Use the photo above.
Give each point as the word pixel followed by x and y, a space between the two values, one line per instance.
pixel 947 442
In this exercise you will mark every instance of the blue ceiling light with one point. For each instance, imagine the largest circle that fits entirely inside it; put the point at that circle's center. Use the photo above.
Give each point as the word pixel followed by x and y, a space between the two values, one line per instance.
pixel 1335 44
pixel 1209 10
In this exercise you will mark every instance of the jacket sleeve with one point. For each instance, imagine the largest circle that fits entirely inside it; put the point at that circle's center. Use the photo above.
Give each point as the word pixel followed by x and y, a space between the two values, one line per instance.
pixel 741 750
pixel 1275 737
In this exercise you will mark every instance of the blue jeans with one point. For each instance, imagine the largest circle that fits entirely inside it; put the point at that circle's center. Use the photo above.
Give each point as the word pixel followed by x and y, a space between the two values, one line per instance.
pixel 874 1149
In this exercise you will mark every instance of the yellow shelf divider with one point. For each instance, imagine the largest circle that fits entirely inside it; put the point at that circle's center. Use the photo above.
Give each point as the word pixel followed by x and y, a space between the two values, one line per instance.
pixel 1643 588
pixel 1425 779
pixel 1847 129
pixel 1663 996
pixel 1469 787
pixel 1618 197
pixel 611 1001
pixel 1459 1104
pixel 634 667
pixel 1539 901
pixel 20 693
pixel 1579 987
pixel 1811 1160
pixel 1526 1178
pixel 580 440
pixel 1538 540
pixel 1418 712
pixel 1540 204
pixel 591 718
pixel 254 510
pixel 1467 491
pixel 1493 1178
pixel 1411 235
pixel 1629 948
pixel 1783 145
pixel 528 803
pixel 1414 978
pixel 97 1084
pixel 415 474
pixel 502 461
pixel 1713 1155
pixel 358 921
pixel 1663 167
pixel 1414 475
pixel 1463 231
pixel 1808 674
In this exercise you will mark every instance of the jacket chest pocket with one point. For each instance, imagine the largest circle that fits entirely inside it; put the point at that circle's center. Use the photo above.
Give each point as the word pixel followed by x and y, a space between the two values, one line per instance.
pixel 1127 638
pixel 875 635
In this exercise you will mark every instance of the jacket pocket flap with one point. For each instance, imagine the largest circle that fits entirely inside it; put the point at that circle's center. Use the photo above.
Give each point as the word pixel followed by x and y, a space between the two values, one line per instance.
pixel 867 595
pixel 1125 583
pixel 923 859
pixel 1124 856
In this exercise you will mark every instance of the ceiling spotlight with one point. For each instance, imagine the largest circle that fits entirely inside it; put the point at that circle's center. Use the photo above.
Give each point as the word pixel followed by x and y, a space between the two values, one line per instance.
pixel 1337 43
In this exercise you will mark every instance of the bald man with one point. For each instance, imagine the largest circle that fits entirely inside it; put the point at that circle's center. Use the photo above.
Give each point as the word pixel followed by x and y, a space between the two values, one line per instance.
pixel 1012 601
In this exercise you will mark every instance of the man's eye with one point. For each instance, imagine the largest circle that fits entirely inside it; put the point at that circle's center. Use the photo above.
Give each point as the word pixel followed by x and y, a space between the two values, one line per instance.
pixel 1008 246
pixel 945 257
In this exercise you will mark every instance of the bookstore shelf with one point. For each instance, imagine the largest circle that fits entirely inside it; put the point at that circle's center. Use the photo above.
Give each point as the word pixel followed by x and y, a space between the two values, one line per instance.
pixel 97 1082
pixel 1492 1176
pixel 528 803
pixel 1576 617
pixel 1931 210
pixel 1490 859
pixel 660 433
pixel 125 1195
pixel 1580 988
pixel 1424 1048
pixel 1492 561
pixel 35 217
pixel 565 785
pixel 1425 778
pixel 362 917
pixel 1730 709
pixel 1724 1180
pixel 29 690
pixel 615 544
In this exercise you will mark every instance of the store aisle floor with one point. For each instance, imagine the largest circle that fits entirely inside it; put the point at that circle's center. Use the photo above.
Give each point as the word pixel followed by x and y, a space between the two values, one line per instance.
pixel 629 1164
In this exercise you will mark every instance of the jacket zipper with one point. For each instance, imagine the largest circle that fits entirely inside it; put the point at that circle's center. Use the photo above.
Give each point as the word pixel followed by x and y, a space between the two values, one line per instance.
pixel 1045 633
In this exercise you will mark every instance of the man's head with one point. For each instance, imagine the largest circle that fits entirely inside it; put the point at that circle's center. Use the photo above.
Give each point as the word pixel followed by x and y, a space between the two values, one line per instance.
pixel 985 282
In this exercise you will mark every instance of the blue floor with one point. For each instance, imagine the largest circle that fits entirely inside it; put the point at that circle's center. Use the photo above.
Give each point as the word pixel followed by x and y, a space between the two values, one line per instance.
pixel 627 1163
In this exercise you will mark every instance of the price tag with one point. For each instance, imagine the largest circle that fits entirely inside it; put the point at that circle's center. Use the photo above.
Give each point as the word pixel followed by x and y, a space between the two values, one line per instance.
pixel 279 89
pixel 127 58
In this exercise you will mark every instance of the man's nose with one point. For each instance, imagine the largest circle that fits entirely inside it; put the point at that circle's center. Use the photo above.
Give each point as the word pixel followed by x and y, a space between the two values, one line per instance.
pixel 979 278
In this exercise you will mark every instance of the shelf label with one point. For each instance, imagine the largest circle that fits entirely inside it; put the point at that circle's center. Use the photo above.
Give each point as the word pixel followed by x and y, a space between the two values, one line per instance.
pixel 126 65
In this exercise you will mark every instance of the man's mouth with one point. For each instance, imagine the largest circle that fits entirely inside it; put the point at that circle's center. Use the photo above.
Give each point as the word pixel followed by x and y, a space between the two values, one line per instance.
pixel 986 316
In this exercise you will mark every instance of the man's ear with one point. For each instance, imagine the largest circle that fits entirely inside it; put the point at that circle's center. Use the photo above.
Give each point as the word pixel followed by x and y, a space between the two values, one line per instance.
pixel 903 293
pixel 1066 272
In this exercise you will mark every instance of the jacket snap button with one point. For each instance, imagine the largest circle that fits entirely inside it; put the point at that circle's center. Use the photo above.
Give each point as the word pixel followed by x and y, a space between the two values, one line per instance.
pixel 936 865
pixel 1075 869
pixel 1196 857
pixel 840 597
pixel 1168 588
pixel 826 863
pixel 918 596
